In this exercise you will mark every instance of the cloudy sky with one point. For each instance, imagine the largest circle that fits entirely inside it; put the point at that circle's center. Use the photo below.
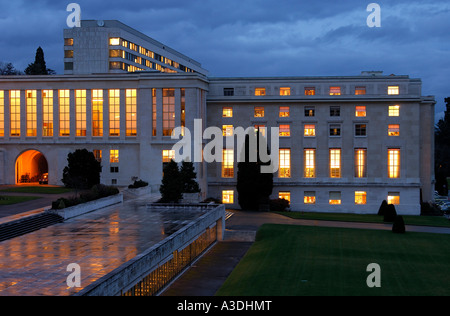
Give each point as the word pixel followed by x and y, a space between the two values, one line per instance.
pixel 258 37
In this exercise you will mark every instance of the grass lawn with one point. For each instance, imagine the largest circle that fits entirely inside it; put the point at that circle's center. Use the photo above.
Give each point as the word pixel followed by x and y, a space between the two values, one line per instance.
pixel 288 260
pixel 38 189
pixel 8 200
pixel 439 221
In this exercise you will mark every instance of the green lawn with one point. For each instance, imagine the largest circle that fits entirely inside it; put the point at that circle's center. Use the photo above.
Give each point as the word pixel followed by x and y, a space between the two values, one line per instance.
pixel 292 260
pixel 38 189
pixel 8 200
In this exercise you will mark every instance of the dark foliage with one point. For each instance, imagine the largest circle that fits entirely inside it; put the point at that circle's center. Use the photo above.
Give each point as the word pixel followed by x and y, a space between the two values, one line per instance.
pixel 171 185
pixel 383 207
pixel 188 176
pixel 138 184
pixel 82 171
pixel 279 205
pixel 399 225
pixel 390 214
pixel 98 191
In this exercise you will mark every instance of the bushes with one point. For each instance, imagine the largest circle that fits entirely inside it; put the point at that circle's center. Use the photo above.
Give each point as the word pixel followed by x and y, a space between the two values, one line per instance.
pixel 98 191
pixel 399 225
pixel 278 205
pixel 138 184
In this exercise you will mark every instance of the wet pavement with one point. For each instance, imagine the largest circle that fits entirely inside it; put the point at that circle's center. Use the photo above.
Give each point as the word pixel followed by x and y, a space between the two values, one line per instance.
pixel 36 264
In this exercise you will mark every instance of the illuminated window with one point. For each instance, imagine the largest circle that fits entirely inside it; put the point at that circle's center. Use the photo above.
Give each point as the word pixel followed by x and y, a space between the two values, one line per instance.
pixel 394 163
pixel 285 163
pixel 309 130
pixel 360 111
pixel 360 90
pixel 335 90
pixel 154 117
pixel 360 163
pixel 393 198
pixel 334 197
pixel 64 112
pixel 360 129
pixel 14 112
pixel 309 158
pixel 394 110
pixel 68 41
pixel 47 113
pixel 335 111
pixel 227 112
pixel 183 110
pixel 360 197
pixel 228 197
pixel 168 155
pixel 393 90
pixel 114 156
pixel 394 130
pixel 335 130
pixel 31 103
pixel 97 112
pixel 284 111
pixel 114 41
pixel 227 163
pixel 285 195
pixel 168 111
pixel 260 91
pixel 97 154
pixel 227 130
pixel 259 111
pixel 310 91
pixel 285 91
pixel 68 54
pixel 285 130
pixel 261 129
pixel 309 197
pixel 335 163
pixel 130 112
pixel 2 113
pixel 310 111
pixel 114 112
pixel 80 112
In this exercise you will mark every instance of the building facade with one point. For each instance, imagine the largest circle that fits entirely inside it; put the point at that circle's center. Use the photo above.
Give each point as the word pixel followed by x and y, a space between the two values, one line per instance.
pixel 345 143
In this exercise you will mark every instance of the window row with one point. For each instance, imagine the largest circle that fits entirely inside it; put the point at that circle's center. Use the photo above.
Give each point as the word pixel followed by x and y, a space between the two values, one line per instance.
pixel 310 91
pixel 310 111
pixel 310 163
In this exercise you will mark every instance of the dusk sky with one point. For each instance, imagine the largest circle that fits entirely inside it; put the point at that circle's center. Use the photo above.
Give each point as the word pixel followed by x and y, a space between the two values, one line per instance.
pixel 233 38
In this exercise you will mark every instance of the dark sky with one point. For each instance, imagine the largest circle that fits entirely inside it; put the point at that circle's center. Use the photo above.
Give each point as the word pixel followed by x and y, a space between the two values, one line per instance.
pixel 257 37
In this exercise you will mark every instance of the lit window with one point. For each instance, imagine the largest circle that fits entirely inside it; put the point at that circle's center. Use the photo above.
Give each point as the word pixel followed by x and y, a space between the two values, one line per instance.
pixel 309 197
pixel 227 130
pixel 360 163
pixel 68 41
pixel 360 111
pixel 334 197
pixel 97 112
pixel 310 130
pixel 394 130
pixel 114 41
pixel 285 91
pixel 114 156
pixel 310 163
pixel 80 112
pixel 261 129
pixel 114 112
pixel 360 129
pixel 260 91
pixel 360 90
pixel 285 195
pixel 335 111
pixel 64 112
pixel 285 130
pixel 14 111
pixel 228 197
pixel 310 91
pixel 183 110
pixel 227 112
pixel 394 163
pixel 394 110
pixel 168 155
pixel 284 111
pixel 2 113
pixel 47 113
pixel 259 111
pixel 393 90
pixel 68 54
pixel 309 111
pixel 97 155
pixel 393 198
pixel 228 163
pixel 131 112
pixel 360 197
pixel 335 130
pixel 154 107
pixel 335 90
pixel 31 101
pixel 285 163
pixel 335 163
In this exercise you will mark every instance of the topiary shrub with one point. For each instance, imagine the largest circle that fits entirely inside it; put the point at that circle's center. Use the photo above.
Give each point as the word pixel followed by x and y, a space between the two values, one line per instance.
pixel 390 213
pixel 383 207
pixel 399 225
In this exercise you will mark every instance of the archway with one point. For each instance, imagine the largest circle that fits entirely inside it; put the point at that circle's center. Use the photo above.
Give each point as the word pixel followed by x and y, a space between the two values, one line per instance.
pixel 31 165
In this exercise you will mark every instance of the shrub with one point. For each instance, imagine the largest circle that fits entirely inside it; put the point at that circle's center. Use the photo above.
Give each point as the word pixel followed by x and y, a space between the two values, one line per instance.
pixel 98 191
pixel 213 200
pixel 279 205
pixel 399 225
pixel 390 213
pixel 382 209
pixel 138 184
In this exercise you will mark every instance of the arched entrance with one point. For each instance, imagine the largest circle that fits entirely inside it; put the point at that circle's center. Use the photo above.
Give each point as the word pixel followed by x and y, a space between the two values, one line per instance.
pixel 31 166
